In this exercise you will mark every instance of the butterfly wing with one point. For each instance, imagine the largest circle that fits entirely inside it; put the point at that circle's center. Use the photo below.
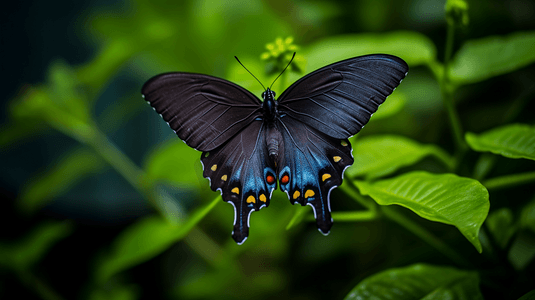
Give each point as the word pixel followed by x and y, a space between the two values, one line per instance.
pixel 314 164
pixel 204 111
pixel 318 113
pixel 340 98
pixel 242 171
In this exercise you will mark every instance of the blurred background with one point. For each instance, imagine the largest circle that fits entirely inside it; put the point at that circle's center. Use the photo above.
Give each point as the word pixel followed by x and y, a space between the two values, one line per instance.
pixel 96 187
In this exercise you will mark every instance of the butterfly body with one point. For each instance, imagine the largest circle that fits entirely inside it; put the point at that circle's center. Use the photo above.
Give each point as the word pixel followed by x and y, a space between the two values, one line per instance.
pixel 300 140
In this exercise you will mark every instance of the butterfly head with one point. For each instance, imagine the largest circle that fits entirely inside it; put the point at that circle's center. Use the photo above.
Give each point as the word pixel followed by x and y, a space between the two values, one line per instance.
pixel 268 94
pixel 269 105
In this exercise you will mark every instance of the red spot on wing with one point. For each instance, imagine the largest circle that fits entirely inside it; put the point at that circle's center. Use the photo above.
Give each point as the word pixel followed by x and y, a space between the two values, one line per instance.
pixel 270 179
pixel 285 179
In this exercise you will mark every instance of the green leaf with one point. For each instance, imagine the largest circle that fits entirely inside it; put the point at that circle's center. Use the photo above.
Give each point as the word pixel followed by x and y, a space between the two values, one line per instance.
pixel 174 162
pixel 57 179
pixel 395 104
pixel 414 48
pixel 445 198
pixel 144 240
pixel 501 226
pixel 380 155
pixel 24 253
pixel 492 56
pixel 512 141
pixel 419 281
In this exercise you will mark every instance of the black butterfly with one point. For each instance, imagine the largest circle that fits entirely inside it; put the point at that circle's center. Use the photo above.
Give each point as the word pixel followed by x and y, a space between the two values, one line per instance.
pixel 299 140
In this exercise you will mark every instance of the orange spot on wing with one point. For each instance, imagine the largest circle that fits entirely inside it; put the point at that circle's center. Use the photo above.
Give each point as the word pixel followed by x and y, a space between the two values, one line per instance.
pixel 296 194
pixel 270 179
pixel 285 179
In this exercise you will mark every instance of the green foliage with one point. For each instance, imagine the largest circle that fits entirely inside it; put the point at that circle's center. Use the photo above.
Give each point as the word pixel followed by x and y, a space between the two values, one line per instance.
pixel 381 155
pixel 513 141
pixel 29 250
pixel 417 153
pixel 446 198
pixel 144 240
pixel 481 59
pixel 419 281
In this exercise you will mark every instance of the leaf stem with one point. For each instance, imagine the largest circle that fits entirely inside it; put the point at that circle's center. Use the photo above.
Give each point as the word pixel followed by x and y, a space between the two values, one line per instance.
pixel 416 229
pixel 447 96
pixel 508 181
pixel 425 235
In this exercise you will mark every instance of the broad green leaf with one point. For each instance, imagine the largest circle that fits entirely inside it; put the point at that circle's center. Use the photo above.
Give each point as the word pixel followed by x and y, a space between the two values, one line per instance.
pixel 445 198
pixel 501 225
pixel 512 141
pixel 395 103
pixel 380 155
pixel 27 251
pixel 144 240
pixel 419 281
pixel 57 179
pixel 175 162
pixel 492 56
pixel 414 48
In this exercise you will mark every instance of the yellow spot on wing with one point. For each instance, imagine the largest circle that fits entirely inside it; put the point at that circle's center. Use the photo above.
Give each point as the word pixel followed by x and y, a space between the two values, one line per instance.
pixel 296 194
pixel 337 158
pixel 251 199
pixel 235 190
pixel 309 193
pixel 325 176
pixel 262 198
pixel 224 177
pixel 214 167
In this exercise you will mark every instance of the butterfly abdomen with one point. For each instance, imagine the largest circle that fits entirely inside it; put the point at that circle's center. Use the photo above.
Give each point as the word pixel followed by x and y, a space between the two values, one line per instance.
pixel 273 141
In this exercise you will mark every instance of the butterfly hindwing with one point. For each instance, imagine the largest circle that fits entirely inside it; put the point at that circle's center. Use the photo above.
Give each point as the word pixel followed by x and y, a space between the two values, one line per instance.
pixel 311 165
pixel 241 170
pixel 204 111
pixel 340 98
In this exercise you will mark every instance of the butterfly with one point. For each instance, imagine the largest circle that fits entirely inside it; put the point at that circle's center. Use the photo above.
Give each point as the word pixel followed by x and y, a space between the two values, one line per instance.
pixel 299 140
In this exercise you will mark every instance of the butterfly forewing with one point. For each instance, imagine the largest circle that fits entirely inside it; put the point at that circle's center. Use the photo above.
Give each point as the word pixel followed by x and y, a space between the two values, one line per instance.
pixel 339 99
pixel 204 111
pixel 243 173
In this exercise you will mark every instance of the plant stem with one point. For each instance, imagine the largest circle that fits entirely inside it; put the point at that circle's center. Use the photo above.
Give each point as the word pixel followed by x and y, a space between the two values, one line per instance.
pixel 509 181
pixel 447 97
pixel 355 216
pixel 424 235
pixel 416 229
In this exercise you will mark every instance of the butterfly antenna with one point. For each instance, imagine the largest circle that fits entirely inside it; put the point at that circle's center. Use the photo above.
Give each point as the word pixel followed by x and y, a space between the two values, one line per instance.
pixel 250 72
pixel 283 70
